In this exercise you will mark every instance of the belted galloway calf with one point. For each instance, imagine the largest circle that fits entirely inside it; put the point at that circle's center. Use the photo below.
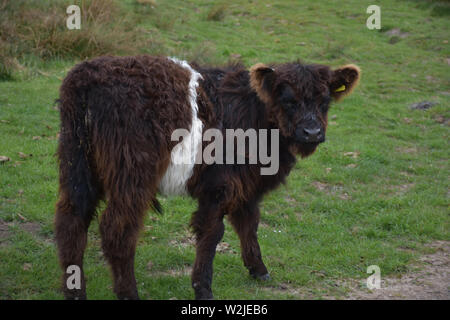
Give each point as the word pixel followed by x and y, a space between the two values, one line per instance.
pixel 133 127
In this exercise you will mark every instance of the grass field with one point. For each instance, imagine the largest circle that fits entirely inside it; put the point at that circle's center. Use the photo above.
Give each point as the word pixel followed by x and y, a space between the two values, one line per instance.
pixel 373 194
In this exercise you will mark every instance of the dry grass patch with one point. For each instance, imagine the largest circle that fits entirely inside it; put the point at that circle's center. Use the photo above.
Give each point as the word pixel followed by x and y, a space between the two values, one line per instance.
pixel 39 28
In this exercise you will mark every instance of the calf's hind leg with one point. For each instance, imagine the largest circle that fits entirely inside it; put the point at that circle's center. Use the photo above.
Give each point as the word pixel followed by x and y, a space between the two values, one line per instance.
pixel 119 228
pixel 71 225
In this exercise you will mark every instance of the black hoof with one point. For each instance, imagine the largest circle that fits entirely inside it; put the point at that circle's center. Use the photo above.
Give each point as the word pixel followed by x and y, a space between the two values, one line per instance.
pixel 75 296
pixel 128 298
pixel 132 295
pixel 202 293
pixel 262 277
pixel 204 296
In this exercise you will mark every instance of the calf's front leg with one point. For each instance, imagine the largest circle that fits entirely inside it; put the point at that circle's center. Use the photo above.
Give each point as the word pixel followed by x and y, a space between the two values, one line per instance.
pixel 245 222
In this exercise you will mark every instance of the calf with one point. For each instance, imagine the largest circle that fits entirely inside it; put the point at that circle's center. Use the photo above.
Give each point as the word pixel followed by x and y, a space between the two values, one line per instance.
pixel 118 116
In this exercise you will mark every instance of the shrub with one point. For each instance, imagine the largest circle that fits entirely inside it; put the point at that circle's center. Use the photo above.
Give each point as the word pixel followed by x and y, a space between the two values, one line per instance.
pixel 39 28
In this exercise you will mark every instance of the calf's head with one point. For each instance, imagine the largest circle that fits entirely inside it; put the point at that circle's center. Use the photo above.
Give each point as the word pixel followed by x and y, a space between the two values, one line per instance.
pixel 298 96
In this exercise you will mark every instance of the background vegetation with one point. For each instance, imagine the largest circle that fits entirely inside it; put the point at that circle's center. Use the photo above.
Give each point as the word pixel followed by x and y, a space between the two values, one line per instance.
pixel 374 193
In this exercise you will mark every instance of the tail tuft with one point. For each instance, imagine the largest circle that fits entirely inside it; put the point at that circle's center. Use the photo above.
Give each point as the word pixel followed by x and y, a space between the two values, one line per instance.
pixel 157 206
pixel 76 176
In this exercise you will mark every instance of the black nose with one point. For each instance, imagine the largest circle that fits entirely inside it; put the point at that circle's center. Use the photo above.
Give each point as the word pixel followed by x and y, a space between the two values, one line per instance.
pixel 313 134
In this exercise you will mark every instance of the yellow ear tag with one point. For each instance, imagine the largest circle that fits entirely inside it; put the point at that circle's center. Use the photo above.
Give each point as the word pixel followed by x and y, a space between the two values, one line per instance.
pixel 340 89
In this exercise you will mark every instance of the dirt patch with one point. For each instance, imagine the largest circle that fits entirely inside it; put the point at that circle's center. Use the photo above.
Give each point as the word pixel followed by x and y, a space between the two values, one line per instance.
pixel 185 271
pixel 31 227
pixel 442 120
pixel 225 247
pixel 407 150
pixel 4 232
pixel 34 228
pixel 187 241
pixel 396 32
pixel 293 291
pixel 334 190
pixel 424 104
pixel 401 189
pixel 427 280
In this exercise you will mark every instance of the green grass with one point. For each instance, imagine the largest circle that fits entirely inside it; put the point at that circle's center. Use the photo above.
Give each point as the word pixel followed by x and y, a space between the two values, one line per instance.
pixel 330 222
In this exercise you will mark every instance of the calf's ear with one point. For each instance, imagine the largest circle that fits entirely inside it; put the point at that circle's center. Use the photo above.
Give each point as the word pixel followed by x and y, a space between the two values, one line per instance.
pixel 344 80
pixel 262 79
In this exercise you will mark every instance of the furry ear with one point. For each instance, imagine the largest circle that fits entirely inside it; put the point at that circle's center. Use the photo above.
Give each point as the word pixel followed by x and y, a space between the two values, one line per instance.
pixel 344 80
pixel 261 80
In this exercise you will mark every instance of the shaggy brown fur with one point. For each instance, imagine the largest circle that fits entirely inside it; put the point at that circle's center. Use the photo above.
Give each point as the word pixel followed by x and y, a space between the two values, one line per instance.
pixel 117 116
